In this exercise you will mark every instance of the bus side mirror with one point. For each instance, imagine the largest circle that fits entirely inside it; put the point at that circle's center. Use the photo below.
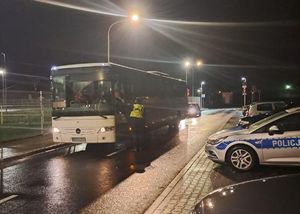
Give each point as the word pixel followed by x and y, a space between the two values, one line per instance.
pixel 275 130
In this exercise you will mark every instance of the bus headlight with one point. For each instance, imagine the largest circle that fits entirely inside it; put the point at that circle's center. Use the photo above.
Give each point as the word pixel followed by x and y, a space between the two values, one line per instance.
pixel 107 129
pixel 55 130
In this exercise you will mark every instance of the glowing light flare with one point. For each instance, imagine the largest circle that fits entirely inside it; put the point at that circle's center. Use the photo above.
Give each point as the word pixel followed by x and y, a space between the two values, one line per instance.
pixel 182 124
pixel 187 63
pixel 210 204
pixel 288 87
pixel 80 8
pixel 55 130
pixel 2 72
pixel 135 17
pixel 212 24
pixel 199 63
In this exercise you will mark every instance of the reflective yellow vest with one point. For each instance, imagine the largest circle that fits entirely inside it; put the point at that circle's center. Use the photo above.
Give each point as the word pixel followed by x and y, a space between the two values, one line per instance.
pixel 137 111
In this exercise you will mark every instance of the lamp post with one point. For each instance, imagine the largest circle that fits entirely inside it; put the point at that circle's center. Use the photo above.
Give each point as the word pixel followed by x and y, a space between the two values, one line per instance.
pixel 134 18
pixel 187 65
pixel 2 73
pixel 202 97
pixel 244 87
pixel 198 65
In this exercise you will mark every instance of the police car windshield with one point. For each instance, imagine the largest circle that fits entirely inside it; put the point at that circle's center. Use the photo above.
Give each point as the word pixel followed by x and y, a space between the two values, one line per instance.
pixel 266 120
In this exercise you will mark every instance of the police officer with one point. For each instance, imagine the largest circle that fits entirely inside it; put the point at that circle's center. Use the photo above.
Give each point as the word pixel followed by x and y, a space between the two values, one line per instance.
pixel 138 122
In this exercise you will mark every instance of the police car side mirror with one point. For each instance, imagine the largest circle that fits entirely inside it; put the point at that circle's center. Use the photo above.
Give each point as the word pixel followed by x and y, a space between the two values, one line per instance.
pixel 275 130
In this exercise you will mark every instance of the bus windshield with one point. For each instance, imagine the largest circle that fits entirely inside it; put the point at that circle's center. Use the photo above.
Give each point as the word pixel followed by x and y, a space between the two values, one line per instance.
pixel 77 94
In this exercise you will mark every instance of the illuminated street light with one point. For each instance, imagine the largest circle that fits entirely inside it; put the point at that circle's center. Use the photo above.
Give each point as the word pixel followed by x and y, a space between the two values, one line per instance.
pixel 288 87
pixel 199 63
pixel 187 64
pixel 134 18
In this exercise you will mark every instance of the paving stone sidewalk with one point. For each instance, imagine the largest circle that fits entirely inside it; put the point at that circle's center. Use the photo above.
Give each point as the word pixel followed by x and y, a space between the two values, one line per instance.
pixel 186 190
pixel 189 186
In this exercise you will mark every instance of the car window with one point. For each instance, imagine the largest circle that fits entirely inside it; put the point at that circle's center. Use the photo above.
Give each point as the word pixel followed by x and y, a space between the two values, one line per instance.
pixel 263 121
pixel 264 107
pixel 279 105
pixel 290 123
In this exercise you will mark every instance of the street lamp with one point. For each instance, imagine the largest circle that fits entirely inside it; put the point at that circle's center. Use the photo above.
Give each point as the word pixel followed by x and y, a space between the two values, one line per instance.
pixel 202 94
pixel 188 64
pixel 199 63
pixel 288 87
pixel 133 18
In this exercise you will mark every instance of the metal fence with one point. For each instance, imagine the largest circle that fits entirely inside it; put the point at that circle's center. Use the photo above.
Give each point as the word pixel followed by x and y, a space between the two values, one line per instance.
pixel 24 114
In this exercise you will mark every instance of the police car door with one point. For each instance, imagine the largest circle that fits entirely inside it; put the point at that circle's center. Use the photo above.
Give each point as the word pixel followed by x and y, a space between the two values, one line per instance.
pixel 284 147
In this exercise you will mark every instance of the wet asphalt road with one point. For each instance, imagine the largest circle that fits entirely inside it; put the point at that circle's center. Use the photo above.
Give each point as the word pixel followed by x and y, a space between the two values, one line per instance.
pixel 60 182
pixel 127 182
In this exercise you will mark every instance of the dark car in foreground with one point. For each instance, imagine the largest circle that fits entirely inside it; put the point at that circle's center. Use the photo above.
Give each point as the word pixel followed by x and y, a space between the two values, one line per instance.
pixel 276 195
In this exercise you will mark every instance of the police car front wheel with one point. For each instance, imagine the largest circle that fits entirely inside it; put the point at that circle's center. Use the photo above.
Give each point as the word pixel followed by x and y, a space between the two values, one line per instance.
pixel 241 158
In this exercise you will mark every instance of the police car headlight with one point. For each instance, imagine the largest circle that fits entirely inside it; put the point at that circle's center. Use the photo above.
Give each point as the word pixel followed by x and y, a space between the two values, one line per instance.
pixel 214 142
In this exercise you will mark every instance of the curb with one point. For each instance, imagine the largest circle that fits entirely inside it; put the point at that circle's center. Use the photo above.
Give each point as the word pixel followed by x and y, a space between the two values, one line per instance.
pixel 159 200
pixel 6 161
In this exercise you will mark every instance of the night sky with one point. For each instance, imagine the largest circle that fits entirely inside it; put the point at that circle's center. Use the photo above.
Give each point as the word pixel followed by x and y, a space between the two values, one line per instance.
pixel 262 44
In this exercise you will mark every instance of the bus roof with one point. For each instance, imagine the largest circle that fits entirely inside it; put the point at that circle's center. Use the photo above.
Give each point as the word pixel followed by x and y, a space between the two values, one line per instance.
pixel 87 65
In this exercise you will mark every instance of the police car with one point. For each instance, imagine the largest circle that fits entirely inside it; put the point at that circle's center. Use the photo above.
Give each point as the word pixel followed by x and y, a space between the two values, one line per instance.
pixel 274 140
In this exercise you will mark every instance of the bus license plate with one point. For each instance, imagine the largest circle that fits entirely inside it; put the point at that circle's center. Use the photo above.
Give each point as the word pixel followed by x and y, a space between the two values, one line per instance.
pixel 78 139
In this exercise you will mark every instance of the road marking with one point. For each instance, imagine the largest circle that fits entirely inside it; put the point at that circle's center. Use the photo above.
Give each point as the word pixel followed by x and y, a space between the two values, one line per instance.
pixel 114 153
pixel 8 198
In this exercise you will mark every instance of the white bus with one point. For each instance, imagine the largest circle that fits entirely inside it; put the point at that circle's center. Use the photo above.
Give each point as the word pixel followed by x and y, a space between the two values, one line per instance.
pixel 91 102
